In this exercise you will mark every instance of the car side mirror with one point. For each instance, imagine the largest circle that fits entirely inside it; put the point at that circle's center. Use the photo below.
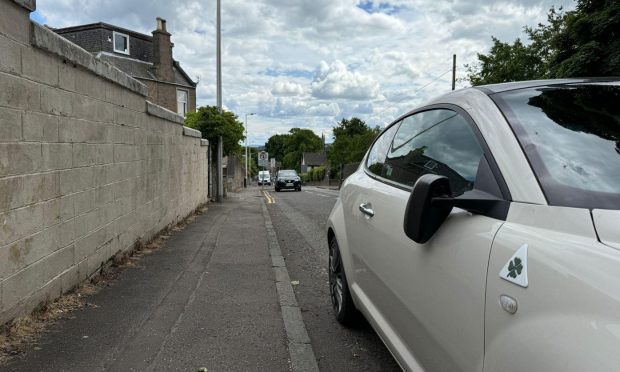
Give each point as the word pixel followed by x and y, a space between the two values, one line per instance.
pixel 423 217
pixel 431 201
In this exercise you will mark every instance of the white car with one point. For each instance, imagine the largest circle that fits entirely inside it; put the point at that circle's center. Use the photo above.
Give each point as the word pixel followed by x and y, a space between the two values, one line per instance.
pixel 264 178
pixel 482 231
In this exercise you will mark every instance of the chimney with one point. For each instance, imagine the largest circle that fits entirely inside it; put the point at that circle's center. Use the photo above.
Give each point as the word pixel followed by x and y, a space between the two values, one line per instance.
pixel 162 52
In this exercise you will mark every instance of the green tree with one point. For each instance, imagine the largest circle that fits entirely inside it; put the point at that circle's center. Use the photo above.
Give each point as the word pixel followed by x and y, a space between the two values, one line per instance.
pixel 506 62
pixel 298 142
pixel 276 146
pixel 352 138
pixel 289 147
pixel 212 123
pixel 578 43
pixel 588 40
pixel 253 163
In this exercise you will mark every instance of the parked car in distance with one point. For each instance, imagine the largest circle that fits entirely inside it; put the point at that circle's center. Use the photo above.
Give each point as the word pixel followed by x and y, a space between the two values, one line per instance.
pixel 482 231
pixel 288 179
pixel 264 178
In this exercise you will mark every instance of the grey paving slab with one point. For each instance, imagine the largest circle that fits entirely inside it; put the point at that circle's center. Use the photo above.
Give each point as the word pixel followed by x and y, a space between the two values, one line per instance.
pixel 208 299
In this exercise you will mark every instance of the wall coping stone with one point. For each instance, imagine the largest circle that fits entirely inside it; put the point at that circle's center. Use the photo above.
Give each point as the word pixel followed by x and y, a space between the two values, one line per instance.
pixel 204 142
pixel 31 5
pixel 46 39
pixel 161 112
pixel 191 132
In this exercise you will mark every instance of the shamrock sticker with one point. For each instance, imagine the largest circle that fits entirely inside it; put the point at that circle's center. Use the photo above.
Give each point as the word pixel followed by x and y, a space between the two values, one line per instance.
pixel 515 267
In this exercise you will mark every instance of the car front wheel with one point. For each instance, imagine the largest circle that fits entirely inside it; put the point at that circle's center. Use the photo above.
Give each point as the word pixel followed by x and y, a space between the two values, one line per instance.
pixel 342 303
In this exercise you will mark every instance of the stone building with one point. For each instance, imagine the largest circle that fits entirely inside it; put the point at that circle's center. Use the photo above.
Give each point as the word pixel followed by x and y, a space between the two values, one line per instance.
pixel 146 58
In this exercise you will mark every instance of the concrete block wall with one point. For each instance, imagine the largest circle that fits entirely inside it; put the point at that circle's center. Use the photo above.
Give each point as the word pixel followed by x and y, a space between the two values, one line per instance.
pixel 87 165
pixel 235 173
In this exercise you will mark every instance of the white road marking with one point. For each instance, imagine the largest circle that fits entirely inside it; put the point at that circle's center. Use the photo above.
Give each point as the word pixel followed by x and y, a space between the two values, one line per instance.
pixel 320 194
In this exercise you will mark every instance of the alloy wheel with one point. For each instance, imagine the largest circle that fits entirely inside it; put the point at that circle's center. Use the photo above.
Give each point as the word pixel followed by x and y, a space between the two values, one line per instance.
pixel 335 277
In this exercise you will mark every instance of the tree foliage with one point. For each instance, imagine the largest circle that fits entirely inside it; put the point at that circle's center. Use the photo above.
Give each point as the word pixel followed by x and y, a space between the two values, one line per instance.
pixel 212 123
pixel 506 62
pixel 352 138
pixel 276 146
pixel 288 148
pixel 578 43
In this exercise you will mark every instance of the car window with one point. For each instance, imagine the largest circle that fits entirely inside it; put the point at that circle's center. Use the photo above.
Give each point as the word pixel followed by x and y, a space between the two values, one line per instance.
pixel 442 142
pixel 571 136
pixel 415 124
pixel 376 155
pixel 287 173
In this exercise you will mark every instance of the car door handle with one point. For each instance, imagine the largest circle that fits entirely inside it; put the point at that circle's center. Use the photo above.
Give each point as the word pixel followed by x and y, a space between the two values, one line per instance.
pixel 366 208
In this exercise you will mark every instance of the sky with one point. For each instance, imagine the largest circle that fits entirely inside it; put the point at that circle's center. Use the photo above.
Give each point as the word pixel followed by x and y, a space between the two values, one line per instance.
pixel 311 63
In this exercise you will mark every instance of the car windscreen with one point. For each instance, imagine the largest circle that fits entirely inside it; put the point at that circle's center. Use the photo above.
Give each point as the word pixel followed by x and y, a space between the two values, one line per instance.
pixel 287 174
pixel 571 137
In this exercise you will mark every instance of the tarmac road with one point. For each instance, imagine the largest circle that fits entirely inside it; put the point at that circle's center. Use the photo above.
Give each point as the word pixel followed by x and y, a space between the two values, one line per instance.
pixel 299 219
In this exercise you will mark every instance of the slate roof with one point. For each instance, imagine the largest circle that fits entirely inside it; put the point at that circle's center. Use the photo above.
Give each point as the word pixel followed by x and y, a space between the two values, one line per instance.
pixel 96 38
pixel 133 67
pixel 144 70
pixel 314 158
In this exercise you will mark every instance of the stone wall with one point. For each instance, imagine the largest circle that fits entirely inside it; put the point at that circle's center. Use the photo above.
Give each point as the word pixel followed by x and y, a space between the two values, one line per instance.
pixel 87 165
pixel 165 94
pixel 234 173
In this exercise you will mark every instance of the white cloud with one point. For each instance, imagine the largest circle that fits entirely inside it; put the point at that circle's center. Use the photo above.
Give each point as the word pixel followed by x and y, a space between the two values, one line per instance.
pixel 336 81
pixel 309 63
pixel 286 88
pixel 324 109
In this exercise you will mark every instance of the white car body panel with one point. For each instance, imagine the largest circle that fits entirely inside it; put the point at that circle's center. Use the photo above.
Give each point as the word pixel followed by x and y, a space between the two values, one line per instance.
pixel 436 305
pixel 571 304
pixel 606 222
pixel 444 284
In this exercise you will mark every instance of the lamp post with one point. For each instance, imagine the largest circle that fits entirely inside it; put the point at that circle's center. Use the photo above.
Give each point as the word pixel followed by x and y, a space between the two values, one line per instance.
pixel 220 146
pixel 247 159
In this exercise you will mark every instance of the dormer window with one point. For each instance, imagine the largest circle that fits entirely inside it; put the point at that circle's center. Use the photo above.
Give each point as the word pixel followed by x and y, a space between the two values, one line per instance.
pixel 120 42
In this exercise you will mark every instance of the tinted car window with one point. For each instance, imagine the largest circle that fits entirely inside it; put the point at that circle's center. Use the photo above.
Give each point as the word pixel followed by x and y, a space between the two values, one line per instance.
pixel 571 136
pixel 376 155
pixel 442 143
pixel 415 124
pixel 287 173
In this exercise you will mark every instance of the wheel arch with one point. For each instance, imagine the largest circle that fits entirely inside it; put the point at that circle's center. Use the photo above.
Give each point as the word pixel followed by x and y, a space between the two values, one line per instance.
pixel 336 229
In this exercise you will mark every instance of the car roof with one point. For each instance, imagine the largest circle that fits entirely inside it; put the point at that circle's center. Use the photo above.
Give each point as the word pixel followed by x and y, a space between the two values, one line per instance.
pixel 503 87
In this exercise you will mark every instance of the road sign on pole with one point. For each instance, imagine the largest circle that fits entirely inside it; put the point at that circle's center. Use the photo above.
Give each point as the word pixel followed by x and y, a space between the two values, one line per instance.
pixel 263 159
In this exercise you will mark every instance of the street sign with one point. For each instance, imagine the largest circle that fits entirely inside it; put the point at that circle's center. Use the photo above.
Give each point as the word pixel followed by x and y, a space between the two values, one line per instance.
pixel 263 159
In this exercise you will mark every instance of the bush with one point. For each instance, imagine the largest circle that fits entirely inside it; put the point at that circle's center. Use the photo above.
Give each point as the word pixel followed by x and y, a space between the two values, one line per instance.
pixel 314 175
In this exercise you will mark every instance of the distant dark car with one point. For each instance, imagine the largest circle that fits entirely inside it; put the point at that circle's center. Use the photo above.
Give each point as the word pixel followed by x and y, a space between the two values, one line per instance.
pixel 288 179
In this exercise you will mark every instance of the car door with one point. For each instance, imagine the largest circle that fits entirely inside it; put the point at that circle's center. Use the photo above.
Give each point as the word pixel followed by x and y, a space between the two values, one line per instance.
pixel 426 300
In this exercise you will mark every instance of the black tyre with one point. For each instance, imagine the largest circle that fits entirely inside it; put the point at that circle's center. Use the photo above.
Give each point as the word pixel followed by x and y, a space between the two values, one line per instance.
pixel 342 303
pixel 277 189
pixel 299 189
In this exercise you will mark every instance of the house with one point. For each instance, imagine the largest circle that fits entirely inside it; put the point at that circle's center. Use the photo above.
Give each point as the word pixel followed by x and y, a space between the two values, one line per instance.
pixel 311 160
pixel 146 58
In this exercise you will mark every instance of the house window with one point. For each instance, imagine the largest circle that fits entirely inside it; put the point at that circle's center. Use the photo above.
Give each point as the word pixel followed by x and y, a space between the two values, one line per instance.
pixel 121 43
pixel 182 102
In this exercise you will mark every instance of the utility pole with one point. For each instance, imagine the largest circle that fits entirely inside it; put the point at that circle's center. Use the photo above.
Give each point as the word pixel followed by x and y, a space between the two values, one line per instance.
pixel 220 145
pixel 453 71
pixel 247 159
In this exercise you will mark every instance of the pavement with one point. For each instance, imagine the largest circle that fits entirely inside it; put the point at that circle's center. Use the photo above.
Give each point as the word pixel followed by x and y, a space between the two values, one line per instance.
pixel 217 296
